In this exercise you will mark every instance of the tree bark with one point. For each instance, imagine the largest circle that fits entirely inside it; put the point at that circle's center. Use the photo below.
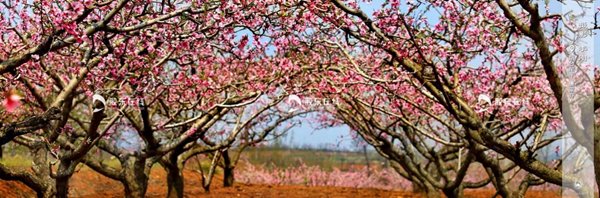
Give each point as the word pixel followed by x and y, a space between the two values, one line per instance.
pixel 30 180
pixel 63 175
pixel 207 179
pixel 425 190
pixel 174 176
pixel 136 180
pixel 45 183
pixel 454 192
pixel 228 176
pixel 62 187
pixel 174 182
pixel 432 193
pixel 174 169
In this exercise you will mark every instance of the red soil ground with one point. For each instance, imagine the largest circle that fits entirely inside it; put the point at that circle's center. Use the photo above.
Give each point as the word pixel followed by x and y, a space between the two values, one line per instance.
pixel 87 183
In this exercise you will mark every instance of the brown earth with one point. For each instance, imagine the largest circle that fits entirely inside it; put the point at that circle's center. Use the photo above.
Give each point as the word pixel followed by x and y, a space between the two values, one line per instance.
pixel 87 183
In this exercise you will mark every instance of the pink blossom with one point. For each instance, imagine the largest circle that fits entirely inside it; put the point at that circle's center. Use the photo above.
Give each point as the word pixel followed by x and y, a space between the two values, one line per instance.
pixel 360 177
pixel 12 101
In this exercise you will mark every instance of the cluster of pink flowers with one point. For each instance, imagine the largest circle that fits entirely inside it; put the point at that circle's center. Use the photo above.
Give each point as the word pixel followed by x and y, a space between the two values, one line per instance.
pixel 382 178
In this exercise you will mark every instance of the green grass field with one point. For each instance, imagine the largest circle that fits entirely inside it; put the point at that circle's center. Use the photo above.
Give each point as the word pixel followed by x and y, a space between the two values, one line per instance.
pixel 270 157
pixel 327 160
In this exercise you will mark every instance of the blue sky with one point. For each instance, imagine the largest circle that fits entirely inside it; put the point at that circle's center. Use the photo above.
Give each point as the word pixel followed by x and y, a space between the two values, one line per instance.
pixel 334 137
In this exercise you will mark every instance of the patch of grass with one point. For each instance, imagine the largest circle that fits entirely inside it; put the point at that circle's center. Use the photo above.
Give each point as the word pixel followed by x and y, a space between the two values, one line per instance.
pixel 16 161
pixel 270 157
pixel 327 160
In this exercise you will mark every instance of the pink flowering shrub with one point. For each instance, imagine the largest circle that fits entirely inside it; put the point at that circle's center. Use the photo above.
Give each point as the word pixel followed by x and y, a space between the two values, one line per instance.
pixel 383 178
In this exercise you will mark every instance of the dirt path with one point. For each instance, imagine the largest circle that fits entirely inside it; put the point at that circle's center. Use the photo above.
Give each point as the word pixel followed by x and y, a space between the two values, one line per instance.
pixel 87 183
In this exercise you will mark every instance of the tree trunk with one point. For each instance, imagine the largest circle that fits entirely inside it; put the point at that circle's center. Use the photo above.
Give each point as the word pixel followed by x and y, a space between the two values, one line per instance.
pixel 228 177
pixel 136 180
pixel 367 160
pixel 47 193
pixel 174 182
pixel 454 193
pixel 432 193
pixel 63 174
pixel 425 190
pixel 62 187
pixel 417 188
pixel 134 190
pixel 174 172
pixel 46 186
pixel 207 179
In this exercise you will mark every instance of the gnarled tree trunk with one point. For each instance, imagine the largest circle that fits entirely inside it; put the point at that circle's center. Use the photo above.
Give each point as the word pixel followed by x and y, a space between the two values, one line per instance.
pixel 174 182
pixel 42 173
pixel 174 173
pixel 63 175
pixel 136 180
